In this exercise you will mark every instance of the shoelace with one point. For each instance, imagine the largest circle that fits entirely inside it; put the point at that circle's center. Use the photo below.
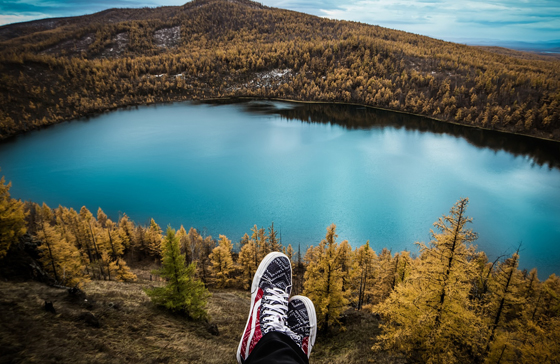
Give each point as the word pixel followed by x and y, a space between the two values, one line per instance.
pixel 275 312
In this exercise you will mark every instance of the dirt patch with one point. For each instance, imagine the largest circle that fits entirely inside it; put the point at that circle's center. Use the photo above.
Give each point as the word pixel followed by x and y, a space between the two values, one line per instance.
pixel 112 322
pixel 167 37
pixel 71 47
pixel 273 78
pixel 117 47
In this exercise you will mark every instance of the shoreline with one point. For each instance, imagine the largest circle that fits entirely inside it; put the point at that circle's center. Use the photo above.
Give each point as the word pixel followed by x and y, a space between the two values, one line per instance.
pixel 253 98
pixel 376 108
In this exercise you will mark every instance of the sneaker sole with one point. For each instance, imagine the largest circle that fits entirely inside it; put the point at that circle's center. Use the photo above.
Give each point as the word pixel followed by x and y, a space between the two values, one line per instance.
pixel 254 288
pixel 310 307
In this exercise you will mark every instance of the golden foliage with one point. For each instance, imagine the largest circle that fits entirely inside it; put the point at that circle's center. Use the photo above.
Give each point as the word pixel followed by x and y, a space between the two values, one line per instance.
pixel 12 223
pixel 232 49
pixel 324 279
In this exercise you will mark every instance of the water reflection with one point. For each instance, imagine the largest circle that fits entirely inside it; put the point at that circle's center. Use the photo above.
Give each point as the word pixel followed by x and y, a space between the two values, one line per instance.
pixel 541 152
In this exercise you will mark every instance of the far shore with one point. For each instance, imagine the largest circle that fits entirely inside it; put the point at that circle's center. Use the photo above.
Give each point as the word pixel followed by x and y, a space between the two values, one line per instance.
pixel 232 99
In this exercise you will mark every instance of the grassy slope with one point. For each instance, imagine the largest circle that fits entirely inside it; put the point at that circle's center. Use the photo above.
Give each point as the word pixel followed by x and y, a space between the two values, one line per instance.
pixel 133 330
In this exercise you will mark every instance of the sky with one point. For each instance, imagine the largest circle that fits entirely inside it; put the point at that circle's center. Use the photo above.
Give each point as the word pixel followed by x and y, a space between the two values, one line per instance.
pixel 453 20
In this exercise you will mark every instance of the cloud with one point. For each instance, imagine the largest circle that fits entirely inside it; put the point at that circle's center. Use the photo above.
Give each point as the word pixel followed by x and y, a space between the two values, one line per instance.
pixel 447 19
pixel 521 20
pixel 56 8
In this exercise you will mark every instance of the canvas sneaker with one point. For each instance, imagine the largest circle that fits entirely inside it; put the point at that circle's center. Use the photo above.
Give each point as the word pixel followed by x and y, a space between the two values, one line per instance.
pixel 302 321
pixel 270 291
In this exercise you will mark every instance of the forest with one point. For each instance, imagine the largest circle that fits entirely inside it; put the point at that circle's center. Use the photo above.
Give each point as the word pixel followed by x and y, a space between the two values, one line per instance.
pixel 61 69
pixel 448 303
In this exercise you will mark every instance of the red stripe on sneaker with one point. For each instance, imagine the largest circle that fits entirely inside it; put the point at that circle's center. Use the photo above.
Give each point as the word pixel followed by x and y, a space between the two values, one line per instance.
pixel 305 345
pixel 253 328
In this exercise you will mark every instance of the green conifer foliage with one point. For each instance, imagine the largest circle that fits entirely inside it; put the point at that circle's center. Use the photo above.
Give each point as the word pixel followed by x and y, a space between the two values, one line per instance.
pixel 182 293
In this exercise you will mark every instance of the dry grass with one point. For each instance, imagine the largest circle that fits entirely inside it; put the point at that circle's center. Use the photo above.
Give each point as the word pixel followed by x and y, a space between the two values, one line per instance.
pixel 131 329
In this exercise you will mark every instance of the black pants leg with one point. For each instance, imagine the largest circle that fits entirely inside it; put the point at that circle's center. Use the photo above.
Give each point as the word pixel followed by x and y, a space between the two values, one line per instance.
pixel 277 348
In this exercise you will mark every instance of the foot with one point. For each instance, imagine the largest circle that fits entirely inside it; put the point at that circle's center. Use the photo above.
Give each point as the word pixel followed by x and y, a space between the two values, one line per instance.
pixel 270 291
pixel 302 321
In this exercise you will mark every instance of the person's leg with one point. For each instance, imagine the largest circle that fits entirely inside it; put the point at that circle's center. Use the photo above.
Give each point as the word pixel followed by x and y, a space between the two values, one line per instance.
pixel 277 348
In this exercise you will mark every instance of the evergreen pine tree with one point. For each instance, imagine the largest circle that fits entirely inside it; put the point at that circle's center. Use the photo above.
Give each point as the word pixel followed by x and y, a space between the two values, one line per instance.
pixel 182 293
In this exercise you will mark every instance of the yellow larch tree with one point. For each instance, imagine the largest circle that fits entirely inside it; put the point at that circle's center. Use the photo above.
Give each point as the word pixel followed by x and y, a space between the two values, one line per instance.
pixel 222 262
pixel 324 279
pixel 126 231
pixel 298 272
pixel 540 335
pixel 12 219
pixel 183 237
pixel 247 262
pixel 204 270
pixel 154 240
pixel 59 258
pixel 262 242
pixel 430 314
pixel 403 267
pixel 194 244
pixel 364 271
pixel 384 281
pixel 345 255
pixel 505 299
pixel 121 271
pixel 275 243
pixel 87 222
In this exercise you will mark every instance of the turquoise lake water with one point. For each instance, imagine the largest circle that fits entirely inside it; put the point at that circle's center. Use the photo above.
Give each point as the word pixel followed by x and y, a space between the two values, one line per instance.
pixel 379 176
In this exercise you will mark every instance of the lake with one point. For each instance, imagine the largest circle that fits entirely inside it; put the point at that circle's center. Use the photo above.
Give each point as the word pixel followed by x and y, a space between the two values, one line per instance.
pixel 221 168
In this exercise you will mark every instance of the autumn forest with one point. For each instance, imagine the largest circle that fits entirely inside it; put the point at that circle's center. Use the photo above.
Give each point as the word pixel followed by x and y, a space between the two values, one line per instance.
pixel 62 69
pixel 444 301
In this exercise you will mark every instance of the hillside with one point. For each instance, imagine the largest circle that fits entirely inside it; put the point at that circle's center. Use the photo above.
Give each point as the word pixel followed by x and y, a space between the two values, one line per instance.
pixel 60 69
pixel 112 322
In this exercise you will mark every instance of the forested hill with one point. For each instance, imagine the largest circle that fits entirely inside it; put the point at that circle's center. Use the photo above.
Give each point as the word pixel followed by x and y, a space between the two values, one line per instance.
pixel 59 69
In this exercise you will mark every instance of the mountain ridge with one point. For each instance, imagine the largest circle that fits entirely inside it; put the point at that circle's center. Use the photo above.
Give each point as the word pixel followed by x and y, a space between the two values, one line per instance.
pixel 217 48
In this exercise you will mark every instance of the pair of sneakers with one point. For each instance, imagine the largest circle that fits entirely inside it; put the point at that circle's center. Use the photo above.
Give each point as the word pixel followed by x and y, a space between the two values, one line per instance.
pixel 273 310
